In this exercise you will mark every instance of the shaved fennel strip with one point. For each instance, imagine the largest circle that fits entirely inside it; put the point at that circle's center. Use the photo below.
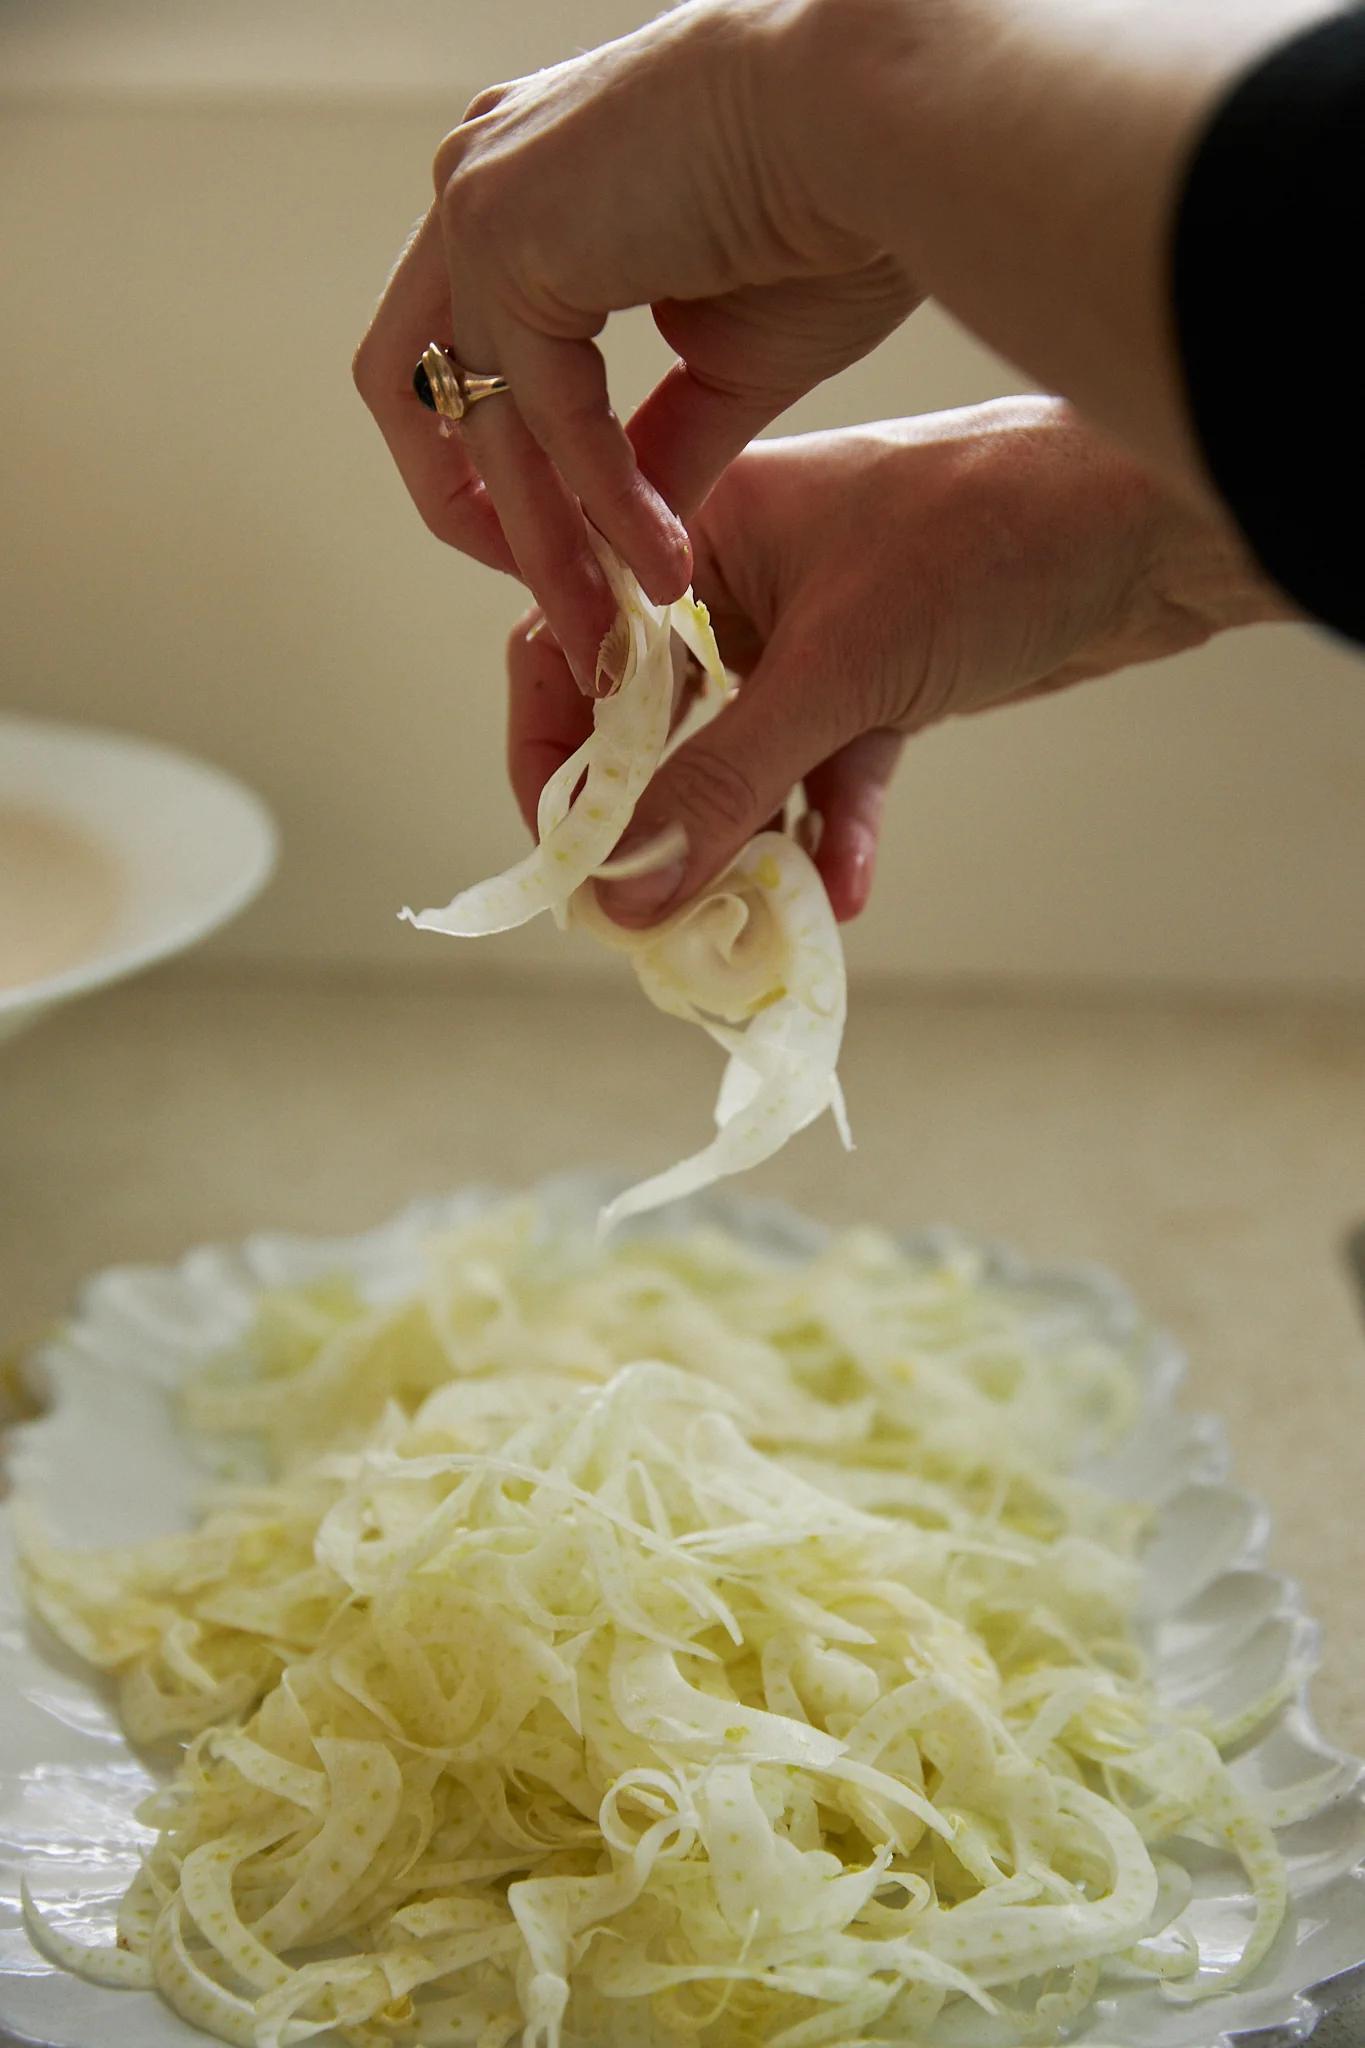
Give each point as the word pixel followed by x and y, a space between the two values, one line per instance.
pixel 759 948
pixel 615 1692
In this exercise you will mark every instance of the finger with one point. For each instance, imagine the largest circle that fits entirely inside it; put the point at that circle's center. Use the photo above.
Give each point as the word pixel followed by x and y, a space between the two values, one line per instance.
pixel 745 356
pixel 543 538
pixel 541 517
pixel 561 388
pixel 543 523
pixel 546 532
pixel 723 785
pixel 688 430
pixel 548 717
pixel 687 684
pixel 848 790
pixel 442 480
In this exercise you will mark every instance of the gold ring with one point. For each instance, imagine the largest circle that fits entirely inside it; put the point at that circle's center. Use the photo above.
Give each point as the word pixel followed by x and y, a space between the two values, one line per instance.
pixel 448 387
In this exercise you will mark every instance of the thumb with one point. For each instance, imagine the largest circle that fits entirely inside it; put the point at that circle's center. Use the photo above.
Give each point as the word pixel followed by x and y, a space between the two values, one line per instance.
pixel 748 354
pixel 726 784
pixel 848 795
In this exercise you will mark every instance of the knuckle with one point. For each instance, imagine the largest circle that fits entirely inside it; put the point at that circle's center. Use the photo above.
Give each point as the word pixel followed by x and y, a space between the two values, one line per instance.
pixel 576 423
pixel 609 472
pixel 485 102
pixel 450 514
pixel 708 788
pixel 887 687
pixel 364 370
pixel 519 641
pixel 584 412
pixel 454 150
pixel 559 560
pixel 471 203
pixel 450 154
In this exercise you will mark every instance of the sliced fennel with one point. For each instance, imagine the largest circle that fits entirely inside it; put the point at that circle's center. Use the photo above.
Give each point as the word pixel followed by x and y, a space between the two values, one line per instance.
pixel 757 962
pixel 630 733
pixel 658 1645
pixel 756 959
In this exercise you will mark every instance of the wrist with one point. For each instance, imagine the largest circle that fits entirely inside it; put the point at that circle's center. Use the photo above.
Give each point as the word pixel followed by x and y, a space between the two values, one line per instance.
pixel 844 76
pixel 1023 165
pixel 1202 567
pixel 1175 572
pixel 1188 562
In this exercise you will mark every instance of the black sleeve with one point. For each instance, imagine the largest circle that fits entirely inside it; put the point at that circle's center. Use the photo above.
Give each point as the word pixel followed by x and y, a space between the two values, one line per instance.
pixel 1269 292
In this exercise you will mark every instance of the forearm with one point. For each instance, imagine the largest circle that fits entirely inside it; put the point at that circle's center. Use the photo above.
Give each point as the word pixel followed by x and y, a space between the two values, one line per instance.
pixel 1029 159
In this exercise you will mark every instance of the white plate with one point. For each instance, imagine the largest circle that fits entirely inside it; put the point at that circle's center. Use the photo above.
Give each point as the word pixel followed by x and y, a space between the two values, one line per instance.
pixel 106 1464
pixel 157 850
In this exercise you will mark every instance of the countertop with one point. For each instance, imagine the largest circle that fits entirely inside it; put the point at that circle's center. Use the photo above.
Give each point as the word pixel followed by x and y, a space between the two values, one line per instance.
pixel 1213 1156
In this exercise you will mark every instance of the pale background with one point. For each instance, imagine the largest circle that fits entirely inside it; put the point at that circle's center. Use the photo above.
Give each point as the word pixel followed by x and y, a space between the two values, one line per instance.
pixel 201 538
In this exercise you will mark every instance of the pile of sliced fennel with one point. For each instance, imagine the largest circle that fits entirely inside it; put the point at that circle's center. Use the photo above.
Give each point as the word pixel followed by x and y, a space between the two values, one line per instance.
pixel 652 1646
pixel 755 959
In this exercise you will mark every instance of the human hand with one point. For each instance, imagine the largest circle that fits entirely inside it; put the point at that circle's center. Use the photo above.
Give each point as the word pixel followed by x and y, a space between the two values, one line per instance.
pixel 679 168
pixel 867 583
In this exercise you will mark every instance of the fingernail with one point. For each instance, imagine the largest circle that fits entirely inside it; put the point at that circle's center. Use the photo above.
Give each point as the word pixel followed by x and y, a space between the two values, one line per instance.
pixel 678 538
pixel 579 669
pixel 860 857
pixel 810 830
pixel 667 582
pixel 612 657
pixel 544 633
pixel 640 899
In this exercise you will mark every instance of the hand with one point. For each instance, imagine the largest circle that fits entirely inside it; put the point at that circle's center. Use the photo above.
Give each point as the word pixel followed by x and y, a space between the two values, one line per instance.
pixel 867 583
pixel 678 168
pixel 781 180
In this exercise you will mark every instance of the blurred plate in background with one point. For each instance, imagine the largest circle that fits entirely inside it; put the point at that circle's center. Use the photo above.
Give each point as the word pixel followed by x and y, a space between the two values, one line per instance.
pixel 114 853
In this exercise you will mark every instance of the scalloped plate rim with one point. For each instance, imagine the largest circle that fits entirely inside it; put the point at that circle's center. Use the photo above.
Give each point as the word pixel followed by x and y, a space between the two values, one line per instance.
pixel 246 1263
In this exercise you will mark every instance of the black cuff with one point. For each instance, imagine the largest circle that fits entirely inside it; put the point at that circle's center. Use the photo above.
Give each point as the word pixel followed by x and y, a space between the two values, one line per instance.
pixel 1269 285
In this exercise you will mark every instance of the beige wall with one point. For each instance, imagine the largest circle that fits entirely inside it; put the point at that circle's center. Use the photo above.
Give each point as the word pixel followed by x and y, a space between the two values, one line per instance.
pixel 201 538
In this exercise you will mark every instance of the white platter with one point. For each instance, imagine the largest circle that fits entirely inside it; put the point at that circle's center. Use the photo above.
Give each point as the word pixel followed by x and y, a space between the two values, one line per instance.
pixel 106 1464
pixel 158 849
